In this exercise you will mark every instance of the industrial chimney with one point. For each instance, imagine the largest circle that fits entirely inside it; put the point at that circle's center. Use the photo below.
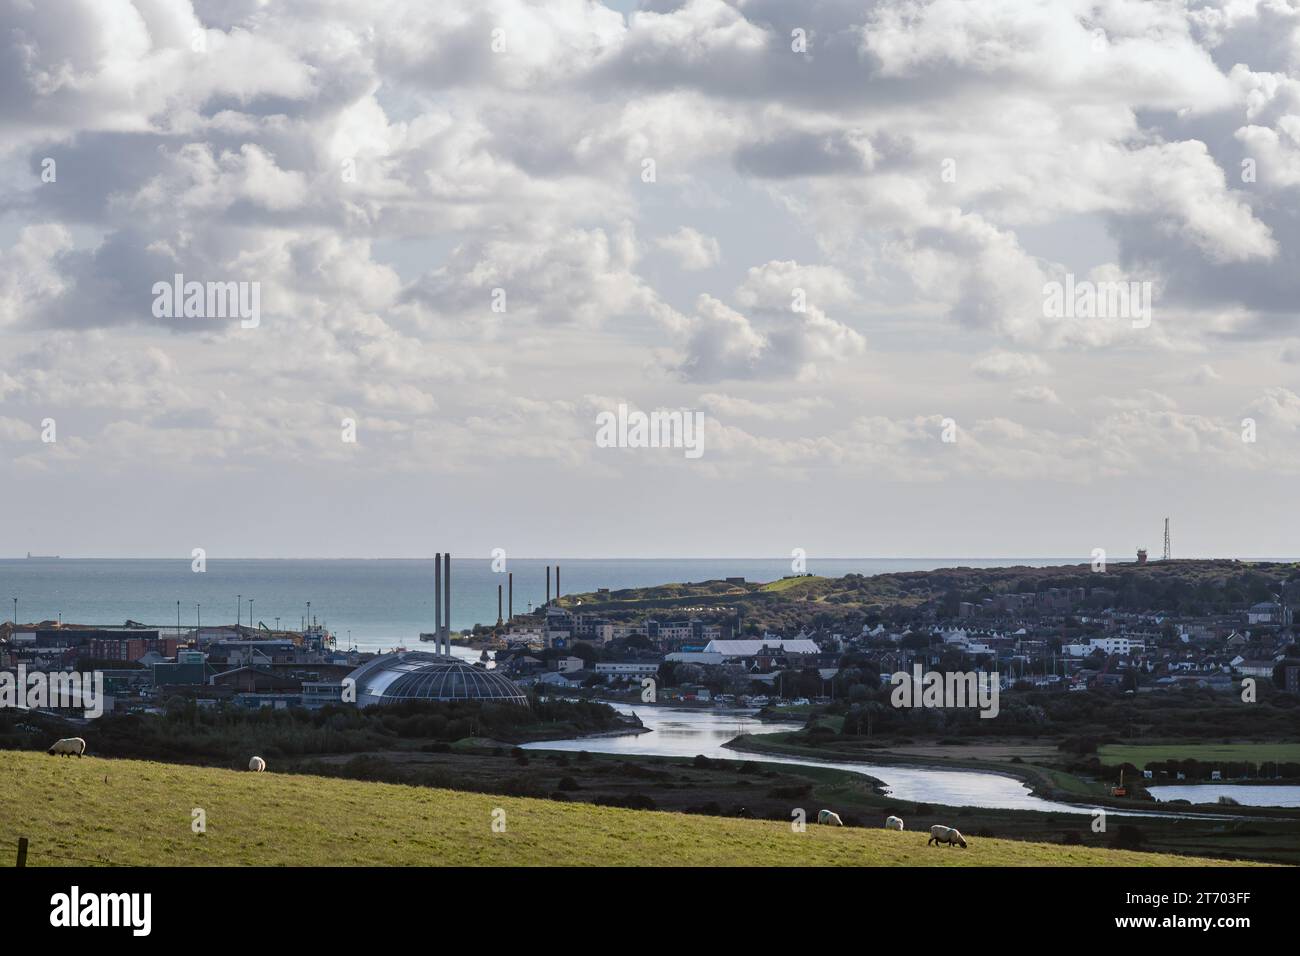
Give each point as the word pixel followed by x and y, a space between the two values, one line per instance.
pixel 498 605
pixel 437 602
pixel 557 585
pixel 548 584
pixel 510 607
pixel 446 603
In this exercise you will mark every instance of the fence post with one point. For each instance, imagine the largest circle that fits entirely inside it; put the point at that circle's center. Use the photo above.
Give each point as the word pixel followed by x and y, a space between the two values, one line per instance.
pixel 22 851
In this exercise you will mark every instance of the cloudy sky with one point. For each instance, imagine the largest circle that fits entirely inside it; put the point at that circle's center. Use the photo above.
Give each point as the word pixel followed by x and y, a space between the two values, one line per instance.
pixel 827 226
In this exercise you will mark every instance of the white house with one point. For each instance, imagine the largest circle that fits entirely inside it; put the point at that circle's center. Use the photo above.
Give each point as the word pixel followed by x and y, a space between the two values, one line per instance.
pixel 753 648
pixel 627 669
pixel 556 679
pixel 1265 612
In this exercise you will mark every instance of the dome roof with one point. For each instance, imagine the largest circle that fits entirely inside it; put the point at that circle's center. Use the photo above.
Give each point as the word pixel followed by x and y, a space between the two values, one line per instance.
pixel 416 675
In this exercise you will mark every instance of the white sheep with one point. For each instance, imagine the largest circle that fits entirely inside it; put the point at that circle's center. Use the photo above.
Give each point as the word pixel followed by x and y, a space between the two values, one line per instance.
pixel 67 747
pixel 893 823
pixel 826 816
pixel 257 765
pixel 942 834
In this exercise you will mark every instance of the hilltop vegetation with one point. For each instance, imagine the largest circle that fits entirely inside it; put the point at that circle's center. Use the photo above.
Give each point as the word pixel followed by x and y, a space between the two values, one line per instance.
pixel 130 812
pixel 1183 587
pixel 226 736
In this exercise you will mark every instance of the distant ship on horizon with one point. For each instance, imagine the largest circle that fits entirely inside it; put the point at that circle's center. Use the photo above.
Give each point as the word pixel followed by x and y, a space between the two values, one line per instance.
pixel 42 557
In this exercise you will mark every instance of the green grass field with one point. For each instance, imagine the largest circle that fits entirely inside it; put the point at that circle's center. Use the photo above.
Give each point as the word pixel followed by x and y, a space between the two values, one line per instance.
pixel 787 584
pixel 130 812
pixel 1141 754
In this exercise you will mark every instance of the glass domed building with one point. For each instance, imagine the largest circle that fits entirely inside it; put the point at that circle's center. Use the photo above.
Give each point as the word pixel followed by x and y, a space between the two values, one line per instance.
pixel 418 675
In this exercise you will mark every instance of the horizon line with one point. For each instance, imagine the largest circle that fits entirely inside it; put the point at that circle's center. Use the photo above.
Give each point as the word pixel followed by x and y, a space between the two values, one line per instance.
pixel 1082 559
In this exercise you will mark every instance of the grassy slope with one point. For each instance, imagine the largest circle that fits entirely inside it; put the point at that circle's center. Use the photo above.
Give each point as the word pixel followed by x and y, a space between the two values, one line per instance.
pixel 135 812
pixel 802 583
pixel 910 588
pixel 1141 754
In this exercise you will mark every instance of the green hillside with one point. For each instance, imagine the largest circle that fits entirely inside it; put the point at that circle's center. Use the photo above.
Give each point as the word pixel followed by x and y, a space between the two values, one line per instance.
pixel 130 812
pixel 1139 755
pixel 1201 586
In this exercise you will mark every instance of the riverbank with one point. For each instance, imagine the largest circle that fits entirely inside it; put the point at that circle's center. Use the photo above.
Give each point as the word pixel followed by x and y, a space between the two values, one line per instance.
pixel 1042 782
pixel 124 821
pixel 759 789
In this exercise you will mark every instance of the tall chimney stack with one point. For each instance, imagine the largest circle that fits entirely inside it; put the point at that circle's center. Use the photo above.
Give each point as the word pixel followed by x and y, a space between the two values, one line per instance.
pixel 548 584
pixel 498 605
pixel 510 607
pixel 446 602
pixel 557 585
pixel 437 603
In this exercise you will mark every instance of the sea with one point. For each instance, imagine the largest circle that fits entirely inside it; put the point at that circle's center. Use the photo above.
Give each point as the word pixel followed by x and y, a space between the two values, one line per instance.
pixel 373 604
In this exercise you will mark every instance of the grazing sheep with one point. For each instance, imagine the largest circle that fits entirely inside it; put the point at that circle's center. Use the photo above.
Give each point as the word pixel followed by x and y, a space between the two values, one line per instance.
pixel 942 834
pixel 67 747
pixel 827 817
pixel 257 765
pixel 893 823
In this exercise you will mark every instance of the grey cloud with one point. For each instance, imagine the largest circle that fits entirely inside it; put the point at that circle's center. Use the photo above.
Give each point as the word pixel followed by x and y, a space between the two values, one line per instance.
pixel 805 154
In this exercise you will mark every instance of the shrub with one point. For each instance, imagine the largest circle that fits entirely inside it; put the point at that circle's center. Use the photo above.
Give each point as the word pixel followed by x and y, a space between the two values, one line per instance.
pixel 1129 837
pixel 791 792
pixel 632 801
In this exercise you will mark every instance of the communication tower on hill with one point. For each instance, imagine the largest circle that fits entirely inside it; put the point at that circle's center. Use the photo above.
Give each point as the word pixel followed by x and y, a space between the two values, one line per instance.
pixel 1167 539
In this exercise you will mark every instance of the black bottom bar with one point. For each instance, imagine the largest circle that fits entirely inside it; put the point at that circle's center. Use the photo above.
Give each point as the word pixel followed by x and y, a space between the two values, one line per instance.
pixel 364 906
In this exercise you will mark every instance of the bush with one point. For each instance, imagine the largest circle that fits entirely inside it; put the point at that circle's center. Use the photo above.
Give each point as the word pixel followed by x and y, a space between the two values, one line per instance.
pixel 791 792
pixel 632 801
pixel 568 783
pixel 1129 837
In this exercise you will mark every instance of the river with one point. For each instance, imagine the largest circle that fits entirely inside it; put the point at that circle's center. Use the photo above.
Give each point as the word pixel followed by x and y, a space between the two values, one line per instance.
pixel 1248 795
pixel 678 732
